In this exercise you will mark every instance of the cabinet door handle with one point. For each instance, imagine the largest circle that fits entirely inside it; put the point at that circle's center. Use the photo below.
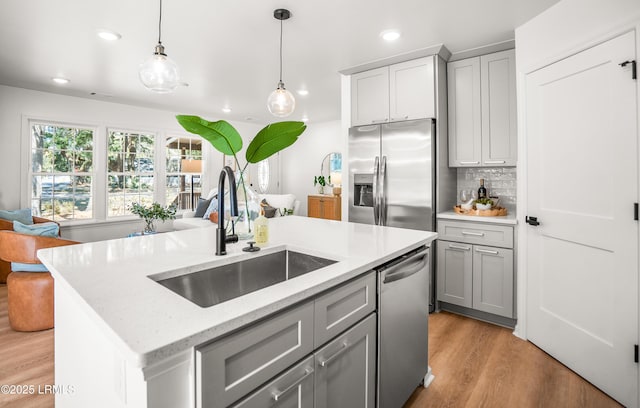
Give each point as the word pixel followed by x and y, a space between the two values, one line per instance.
pixel 459 247
pixel 278 394
pixel 401 118
pixel 345 346
pixel 469 162
pixel 486 251
pixel 380 120
pixel 475 234
pixel 494 161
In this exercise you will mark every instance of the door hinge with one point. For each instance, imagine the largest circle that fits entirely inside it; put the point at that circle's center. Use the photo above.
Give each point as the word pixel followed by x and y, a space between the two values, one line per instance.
pixel 634 73
pixel 532 221
pixel 635 353
pixel 635 211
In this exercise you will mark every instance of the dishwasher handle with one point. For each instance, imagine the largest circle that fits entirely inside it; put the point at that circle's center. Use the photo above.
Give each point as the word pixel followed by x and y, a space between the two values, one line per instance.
pixel 403 269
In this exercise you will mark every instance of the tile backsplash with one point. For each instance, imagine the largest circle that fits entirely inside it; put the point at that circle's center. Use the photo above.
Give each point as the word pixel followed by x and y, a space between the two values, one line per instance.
pixel 499 181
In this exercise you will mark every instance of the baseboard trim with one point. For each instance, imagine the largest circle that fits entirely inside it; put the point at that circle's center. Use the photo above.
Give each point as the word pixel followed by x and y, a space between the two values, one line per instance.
pixel 479 315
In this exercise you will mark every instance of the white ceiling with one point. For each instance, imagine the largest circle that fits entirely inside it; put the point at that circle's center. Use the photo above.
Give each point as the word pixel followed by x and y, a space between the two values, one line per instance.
pixel 227 50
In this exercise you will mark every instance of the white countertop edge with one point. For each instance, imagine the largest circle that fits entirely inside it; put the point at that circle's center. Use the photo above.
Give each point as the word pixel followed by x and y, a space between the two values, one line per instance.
pixel 146 357
pixel 509 219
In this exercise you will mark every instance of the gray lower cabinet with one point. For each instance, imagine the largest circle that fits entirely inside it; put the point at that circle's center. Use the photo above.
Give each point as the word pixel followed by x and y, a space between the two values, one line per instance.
pixel 475 266
pixel 271 363
pixel 345 369
pixel 475 276
pixel 233 366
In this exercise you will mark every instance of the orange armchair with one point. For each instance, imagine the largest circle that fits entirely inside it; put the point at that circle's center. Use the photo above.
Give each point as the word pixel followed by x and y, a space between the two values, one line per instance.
pixel 30 294
pixel 5 267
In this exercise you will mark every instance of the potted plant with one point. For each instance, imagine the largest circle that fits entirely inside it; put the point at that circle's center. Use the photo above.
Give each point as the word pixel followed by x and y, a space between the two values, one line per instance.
pixel 225 138
pixel 152 213
pixel 321 183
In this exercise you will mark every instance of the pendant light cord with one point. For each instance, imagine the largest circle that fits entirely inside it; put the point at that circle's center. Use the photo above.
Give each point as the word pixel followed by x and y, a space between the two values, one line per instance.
pixel 280 50
pixel 160 24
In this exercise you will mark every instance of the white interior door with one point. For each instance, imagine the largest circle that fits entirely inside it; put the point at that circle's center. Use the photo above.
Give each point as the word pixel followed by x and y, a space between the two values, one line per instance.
pixel 582 183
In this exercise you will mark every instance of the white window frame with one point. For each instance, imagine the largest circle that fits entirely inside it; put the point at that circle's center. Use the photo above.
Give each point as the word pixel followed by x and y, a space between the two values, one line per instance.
pixel 99 174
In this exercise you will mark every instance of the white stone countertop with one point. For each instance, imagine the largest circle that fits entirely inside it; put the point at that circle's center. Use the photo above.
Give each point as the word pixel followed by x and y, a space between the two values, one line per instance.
pixel 509 219
pixel 149 323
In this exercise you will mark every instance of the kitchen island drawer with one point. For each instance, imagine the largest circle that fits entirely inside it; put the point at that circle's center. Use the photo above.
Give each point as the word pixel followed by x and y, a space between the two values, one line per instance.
pixel 294 388
pixel 230 368
pixel 476 233
pixel 341 308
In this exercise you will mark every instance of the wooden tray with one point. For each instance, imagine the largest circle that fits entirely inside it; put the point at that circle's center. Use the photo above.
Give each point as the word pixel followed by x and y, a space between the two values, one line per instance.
pixel 494 212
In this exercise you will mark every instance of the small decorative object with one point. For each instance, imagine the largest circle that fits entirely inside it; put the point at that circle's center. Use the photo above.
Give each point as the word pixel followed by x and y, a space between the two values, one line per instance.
pixel 484 204
pixel 152 213
pixel 285 211
pixel 337 191
pixel 320 182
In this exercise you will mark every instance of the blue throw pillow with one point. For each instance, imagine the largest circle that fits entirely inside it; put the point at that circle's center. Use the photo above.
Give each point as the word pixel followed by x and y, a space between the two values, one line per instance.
pixel 47 229
pixel 24 215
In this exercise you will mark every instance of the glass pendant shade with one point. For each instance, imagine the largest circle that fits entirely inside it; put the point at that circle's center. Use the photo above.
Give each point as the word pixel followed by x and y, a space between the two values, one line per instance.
pixel 281 102
pixel 159 73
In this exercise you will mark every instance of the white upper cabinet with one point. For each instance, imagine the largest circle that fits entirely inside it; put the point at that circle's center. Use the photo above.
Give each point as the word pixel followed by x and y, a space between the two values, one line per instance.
pixel 482 111
pixel 412 90
pixel 403 91
pixel 370 97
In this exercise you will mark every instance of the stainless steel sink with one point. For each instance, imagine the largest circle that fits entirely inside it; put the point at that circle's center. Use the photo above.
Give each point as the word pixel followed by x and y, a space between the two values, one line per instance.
pixel 212 286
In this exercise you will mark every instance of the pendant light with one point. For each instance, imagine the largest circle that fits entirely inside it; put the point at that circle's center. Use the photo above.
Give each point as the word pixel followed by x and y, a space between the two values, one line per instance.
pixel 281 102
pixel 159 73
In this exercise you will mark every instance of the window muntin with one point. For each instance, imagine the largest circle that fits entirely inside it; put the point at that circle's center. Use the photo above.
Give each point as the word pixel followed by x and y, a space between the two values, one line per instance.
pixel 62 171
pixel 130 170
pixel 183 171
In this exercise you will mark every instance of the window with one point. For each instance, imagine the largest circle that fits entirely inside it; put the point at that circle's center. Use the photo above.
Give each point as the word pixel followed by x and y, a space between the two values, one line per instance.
pixel 263 175
pixel 130 171
pixel 184 170
pixel 62 171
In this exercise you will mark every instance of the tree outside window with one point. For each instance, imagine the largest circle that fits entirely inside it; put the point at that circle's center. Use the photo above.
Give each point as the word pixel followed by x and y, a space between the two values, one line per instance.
pixel 62 171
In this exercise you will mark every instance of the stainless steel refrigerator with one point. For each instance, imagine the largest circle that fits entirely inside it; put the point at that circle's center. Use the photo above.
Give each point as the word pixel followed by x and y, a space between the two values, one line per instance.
pixel 392 174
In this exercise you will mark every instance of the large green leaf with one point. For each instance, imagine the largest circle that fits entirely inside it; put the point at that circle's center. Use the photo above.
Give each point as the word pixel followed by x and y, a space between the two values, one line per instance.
pixel 222 136
pixel 272 139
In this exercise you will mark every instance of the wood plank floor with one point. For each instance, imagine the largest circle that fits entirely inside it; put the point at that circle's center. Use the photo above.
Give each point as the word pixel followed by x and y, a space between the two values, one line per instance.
pixel 25 359
pixel 476 364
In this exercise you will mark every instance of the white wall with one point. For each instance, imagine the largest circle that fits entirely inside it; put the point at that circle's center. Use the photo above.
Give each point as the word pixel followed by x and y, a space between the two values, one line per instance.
pixel 568 27
pixel 301 161
pixel 16 104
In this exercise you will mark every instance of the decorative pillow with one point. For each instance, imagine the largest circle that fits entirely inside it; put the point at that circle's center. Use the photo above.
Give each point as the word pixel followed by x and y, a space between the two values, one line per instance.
pixel 279 201
pixel 212 193
pixel 24 215
pixel 213 207
pixel 202 207
pixel 269 211
pixel 47 229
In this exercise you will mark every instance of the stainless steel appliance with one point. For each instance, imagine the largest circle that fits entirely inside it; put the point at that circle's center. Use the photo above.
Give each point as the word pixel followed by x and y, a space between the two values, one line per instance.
pixel 403 306
pixel 392 174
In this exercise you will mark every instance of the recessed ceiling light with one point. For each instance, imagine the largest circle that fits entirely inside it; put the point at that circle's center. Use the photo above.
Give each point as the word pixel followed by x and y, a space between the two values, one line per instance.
pixel 303 92
pixel 108 35
pixel 60 80
pixel 226 109
pixel 390 35
pixel 305 119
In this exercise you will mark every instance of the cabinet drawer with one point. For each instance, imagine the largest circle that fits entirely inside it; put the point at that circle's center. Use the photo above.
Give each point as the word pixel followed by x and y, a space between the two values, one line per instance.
pixel 476 233
pixel 230 368
pixel 341 308
pixel 292 389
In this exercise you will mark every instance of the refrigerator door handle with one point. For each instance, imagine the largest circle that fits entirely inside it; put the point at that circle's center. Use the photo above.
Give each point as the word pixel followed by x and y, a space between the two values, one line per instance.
pixel 376 198
pixel 383 192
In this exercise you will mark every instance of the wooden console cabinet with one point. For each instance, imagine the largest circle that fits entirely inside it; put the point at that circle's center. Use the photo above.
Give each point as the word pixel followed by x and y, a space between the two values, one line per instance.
pixel 324 206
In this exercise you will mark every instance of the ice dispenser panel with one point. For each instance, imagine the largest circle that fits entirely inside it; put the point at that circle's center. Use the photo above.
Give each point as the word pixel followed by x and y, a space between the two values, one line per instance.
pixel 363 190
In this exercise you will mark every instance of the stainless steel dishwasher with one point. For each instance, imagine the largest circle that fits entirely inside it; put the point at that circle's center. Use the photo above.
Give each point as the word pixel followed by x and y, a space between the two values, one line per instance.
pixel 403 309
